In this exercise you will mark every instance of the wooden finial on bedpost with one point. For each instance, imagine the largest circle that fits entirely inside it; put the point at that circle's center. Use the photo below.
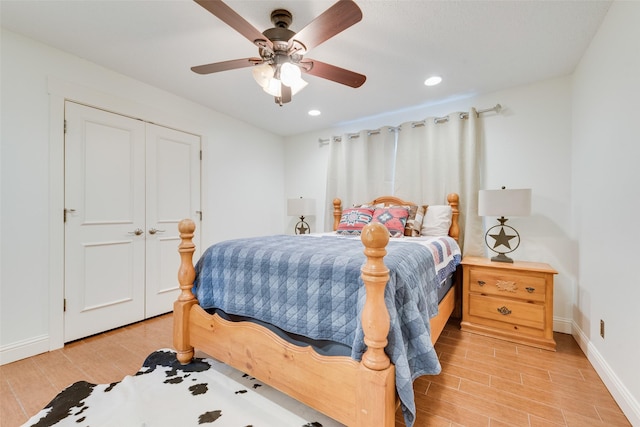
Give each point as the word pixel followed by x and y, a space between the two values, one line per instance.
pixel 453 200
pixel 186 299
pixel 186 273
pixel 375 316
pixel 337 213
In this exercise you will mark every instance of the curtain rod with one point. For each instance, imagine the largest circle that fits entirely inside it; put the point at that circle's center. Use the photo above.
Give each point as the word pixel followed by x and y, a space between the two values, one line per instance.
pixel 496 108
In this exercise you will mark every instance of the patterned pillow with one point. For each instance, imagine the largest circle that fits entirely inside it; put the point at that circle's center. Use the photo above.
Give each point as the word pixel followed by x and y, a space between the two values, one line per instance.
pixel 414 225
pixel 413 210
pixel 393 217
pixel 353 220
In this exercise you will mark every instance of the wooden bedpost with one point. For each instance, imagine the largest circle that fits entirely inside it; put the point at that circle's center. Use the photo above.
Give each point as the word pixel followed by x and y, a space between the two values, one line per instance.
pixel 375 316
pixel 337 213
pixel 376 390
pixel 453 200
pixel 186 299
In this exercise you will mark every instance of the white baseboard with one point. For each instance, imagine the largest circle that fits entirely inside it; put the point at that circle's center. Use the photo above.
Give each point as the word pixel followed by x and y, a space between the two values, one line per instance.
pixel 23 349
pixel 564 326
pixel 629 404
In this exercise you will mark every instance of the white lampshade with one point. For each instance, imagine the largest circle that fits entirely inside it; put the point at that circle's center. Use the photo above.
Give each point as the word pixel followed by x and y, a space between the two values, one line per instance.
pixel 505 202
pixel 263 73
pixel 289 74
pixel 297 86
pixel 301 207
pixel 273 87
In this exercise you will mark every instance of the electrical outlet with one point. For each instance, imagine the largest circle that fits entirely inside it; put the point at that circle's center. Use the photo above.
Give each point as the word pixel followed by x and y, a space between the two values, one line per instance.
pixel 602 328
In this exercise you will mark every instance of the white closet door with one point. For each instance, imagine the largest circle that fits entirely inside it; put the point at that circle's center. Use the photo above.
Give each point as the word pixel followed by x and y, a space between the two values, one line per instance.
pixel 127 185
pixel 172 194
pixel 105 221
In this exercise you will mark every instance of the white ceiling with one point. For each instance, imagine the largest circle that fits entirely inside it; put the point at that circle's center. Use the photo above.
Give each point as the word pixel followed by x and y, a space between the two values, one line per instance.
pixel 476 46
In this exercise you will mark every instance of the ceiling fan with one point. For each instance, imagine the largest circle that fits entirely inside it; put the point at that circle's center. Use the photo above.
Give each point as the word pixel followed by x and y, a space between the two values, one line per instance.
pixel 281 62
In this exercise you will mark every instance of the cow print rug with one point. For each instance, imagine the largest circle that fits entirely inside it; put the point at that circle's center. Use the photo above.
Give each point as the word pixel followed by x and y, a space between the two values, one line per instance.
pixel 166 393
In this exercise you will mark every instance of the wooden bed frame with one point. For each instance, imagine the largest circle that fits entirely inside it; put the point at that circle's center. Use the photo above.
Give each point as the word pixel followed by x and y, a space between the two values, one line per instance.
pixel 359 394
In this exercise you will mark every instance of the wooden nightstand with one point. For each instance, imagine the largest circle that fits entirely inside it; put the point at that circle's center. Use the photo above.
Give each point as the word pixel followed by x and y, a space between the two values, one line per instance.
pixel 509 301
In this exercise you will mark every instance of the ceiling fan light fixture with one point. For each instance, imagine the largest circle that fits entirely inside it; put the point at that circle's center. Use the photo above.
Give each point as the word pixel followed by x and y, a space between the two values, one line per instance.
pixel 262 73
pixel 290 74
pixel 272 87
pixel 297 86
pixel 271 77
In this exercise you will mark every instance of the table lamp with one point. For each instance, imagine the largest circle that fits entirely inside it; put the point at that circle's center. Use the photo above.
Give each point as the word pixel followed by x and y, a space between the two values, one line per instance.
pixel 501 203
pixel 301 207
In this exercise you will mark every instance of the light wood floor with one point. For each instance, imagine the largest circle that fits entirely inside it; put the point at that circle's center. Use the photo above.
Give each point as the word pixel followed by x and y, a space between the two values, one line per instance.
pixel 484 382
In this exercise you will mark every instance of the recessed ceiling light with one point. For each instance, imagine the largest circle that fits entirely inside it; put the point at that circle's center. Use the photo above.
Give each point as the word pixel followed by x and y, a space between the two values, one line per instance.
pixel 314 112
pixel 433 80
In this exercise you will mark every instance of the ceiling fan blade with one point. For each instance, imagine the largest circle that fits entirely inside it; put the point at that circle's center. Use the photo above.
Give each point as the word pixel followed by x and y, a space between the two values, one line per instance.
pixel 332 21
pixel 333 73
pixel 235 21
pixel 226 65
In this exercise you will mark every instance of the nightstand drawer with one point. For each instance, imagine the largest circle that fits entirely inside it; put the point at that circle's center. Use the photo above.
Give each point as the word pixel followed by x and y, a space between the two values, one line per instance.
pixel 505 310
pixel 507 284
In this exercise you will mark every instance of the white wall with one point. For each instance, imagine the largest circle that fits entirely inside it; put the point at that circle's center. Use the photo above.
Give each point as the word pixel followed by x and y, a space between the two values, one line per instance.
pixel 527 145
pixel 242 168
pixel 606 150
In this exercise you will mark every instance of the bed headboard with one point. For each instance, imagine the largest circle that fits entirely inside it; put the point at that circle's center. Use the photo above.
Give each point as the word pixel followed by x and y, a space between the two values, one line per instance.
pixel 452 199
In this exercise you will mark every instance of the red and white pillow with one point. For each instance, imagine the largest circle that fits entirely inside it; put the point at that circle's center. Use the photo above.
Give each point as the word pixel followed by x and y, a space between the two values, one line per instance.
pixel 353 221
pixel 392 217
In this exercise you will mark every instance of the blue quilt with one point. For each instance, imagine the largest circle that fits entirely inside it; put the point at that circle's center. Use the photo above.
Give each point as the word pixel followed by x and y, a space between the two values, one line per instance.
pixel 311 286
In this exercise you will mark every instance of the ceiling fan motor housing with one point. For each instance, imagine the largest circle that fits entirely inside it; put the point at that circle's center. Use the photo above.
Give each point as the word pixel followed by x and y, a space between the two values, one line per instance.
pixel 281 36
pixel 281 18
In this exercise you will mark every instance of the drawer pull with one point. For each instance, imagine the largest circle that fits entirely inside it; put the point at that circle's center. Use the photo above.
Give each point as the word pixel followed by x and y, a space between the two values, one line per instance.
pixel 481 282
pixel 530 289
pixel 504 311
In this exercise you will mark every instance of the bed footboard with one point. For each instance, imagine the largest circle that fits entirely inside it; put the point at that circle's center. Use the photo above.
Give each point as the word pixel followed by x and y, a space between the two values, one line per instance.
pixel 360 394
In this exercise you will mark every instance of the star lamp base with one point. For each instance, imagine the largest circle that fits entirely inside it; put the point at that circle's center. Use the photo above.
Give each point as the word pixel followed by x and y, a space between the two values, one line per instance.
pixel 501 258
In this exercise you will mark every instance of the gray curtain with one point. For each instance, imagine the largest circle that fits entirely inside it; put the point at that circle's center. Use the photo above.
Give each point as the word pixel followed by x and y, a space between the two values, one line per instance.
pixel 418 161
pixel 360 168
pixel 438 157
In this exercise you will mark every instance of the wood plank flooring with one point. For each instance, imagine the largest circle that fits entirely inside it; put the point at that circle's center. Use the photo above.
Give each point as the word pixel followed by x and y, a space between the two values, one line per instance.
pixel 484 382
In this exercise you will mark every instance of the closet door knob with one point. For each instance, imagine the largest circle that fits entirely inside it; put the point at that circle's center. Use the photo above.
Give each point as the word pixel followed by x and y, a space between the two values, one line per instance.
pixel 137 231
pixel 154 231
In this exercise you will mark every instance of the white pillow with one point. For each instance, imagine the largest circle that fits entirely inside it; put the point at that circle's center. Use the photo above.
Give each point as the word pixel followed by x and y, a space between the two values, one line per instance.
pixel 437 221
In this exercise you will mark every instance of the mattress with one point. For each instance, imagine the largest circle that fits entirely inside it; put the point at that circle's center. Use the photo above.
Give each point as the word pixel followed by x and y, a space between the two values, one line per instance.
pixel 322 347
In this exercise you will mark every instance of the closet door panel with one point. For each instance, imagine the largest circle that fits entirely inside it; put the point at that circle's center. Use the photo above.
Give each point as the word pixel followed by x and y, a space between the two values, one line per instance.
pixel 172 194
pixel 104 206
